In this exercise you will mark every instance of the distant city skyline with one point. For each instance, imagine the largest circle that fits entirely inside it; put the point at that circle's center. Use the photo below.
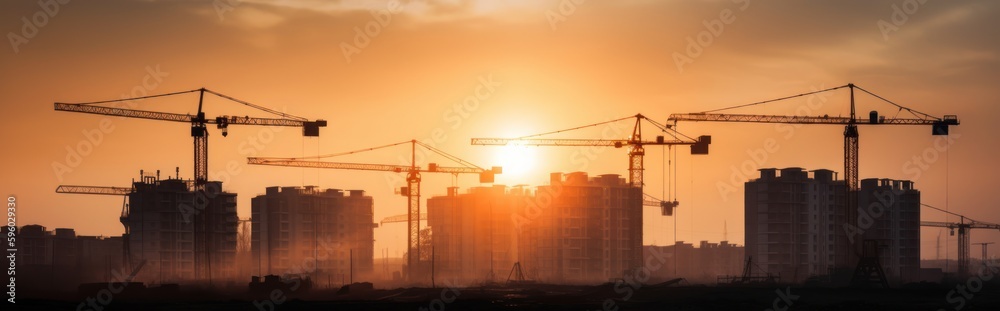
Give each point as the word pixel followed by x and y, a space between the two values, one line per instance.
pixel 445 73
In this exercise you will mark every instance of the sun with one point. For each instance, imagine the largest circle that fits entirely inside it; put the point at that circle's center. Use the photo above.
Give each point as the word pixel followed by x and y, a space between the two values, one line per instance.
pixel 518 161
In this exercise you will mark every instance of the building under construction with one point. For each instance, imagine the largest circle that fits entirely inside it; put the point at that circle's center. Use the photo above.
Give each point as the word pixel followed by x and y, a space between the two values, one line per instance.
pixel 472 236
pixel 323 234
pixel 184 235
pixel 794 223
pixel 582 230
pixel 894 209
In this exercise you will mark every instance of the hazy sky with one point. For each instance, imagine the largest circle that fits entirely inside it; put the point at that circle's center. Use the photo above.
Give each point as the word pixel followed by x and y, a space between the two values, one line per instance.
pixel 537 65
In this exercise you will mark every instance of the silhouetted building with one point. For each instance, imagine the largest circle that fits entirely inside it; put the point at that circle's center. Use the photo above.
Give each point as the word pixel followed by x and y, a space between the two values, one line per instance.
pixel 793 223
pixel 894 209
pixel 293 228
pixel 183 235
pixel 471 233
pixel 60 259
pixel 582 230
pixel 703 264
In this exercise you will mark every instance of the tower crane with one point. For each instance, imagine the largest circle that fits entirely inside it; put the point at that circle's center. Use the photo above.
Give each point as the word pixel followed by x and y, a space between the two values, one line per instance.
pixel 199 132
pixel 666 207
pixel 411 191
pixel 964 226
pixel 634 142
pixel 636 152
pixel 112 191
pixel 939 126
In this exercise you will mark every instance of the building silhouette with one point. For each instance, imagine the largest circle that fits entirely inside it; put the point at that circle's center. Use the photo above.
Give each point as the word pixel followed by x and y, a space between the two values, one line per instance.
pixel 59 259
pixel 472 236
pixel 162 219
pixel 894 209
pixel 703 264
pixel 793 222
pixel 323 234
pixel 582 230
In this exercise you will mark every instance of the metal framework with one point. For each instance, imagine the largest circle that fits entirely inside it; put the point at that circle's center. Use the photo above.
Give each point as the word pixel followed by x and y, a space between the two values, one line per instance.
pixel 123 218
pixel 199 134
pixel 411 191
pixel 964 229
pixel 634 142
pixel 99 190
pixel 851 123
pixel 400 218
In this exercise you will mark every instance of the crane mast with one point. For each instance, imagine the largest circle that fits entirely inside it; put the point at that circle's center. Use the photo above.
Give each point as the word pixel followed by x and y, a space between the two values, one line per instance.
pixel 411 191
pixel 198 121
pixel 851 135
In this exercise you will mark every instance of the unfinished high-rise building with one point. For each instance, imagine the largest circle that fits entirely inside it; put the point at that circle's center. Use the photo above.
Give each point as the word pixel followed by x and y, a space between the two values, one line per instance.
pixel 892 218
pixel 793 222
pixel 581 229
pixel 472 236
pixel 325 234
pixel 182 233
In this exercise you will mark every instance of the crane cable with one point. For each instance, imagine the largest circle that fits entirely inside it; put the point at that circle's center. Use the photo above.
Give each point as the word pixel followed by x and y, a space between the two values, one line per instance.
pixel 576 128
pixel 246 103
pixel 331 155
pixel 776 99
pixel 915 113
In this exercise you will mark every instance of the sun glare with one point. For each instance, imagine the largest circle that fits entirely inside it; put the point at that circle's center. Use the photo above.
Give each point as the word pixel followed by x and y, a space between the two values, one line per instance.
pixel 517 161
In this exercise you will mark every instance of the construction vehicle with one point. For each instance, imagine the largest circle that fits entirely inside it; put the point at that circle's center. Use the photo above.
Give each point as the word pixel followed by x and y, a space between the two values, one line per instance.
pixel 411 191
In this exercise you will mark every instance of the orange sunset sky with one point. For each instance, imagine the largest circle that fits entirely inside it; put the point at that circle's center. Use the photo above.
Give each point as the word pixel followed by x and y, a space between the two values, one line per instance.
pixel 547 65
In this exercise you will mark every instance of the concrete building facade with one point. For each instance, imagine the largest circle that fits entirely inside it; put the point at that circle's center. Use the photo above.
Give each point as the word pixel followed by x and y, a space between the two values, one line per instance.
pixel 793 221
pixel 325 234
pixel 182 234
pixel 795 224
pixel 893 207
pixel 582 230
pixel 472 235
